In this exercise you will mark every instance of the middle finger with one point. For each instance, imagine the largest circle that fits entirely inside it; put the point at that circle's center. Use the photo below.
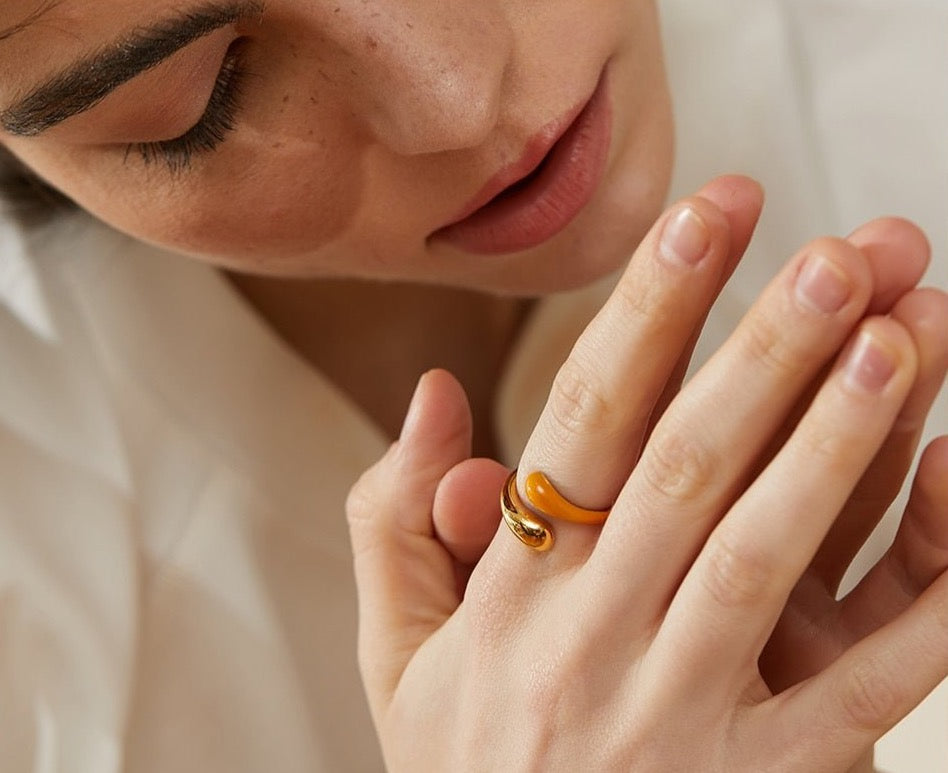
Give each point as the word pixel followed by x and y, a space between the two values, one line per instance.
pixel 705 446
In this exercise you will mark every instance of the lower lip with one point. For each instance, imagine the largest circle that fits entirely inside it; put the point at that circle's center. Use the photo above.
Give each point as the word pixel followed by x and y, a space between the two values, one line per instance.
pixel 536 209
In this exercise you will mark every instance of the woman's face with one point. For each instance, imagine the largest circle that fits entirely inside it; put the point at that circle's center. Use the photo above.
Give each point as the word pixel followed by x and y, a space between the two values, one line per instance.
pixel 344 137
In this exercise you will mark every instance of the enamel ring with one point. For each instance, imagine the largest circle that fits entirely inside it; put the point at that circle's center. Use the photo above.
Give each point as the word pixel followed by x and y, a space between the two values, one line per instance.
pixel 527 524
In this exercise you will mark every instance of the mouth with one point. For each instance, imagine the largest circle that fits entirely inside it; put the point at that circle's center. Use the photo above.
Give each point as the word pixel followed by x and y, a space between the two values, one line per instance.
pixel 536 197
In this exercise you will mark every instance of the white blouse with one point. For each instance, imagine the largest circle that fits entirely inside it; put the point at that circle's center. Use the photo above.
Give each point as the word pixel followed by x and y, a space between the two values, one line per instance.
pixel 175 589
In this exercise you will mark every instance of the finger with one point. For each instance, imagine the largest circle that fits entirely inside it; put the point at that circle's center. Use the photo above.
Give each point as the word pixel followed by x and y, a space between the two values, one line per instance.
pixel 924 313
pixel 405 577
pixel 742 220
pixel 814 628
pixel 590 431
pixel 701 452
pixel 740 582
pixel 837 714
pixel 918 555
pixel 466 511
pixel 897 253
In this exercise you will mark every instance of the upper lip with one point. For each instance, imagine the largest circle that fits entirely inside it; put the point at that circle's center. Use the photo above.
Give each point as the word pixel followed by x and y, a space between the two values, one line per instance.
pixel 538 147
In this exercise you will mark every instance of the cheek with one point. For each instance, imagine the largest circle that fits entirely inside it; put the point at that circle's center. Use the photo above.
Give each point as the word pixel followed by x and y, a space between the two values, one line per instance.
pixel 292 197
pixel 258 201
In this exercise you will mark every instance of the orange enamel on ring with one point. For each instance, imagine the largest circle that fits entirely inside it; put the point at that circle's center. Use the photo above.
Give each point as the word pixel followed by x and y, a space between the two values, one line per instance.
pixel 542 495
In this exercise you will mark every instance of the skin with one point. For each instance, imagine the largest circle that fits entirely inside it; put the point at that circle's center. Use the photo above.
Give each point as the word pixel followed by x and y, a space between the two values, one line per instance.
pixel 733 521
pixel 364 131
pixel 372 126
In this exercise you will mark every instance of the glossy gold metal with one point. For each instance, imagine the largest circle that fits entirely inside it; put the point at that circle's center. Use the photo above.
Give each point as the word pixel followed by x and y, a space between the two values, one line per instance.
pixel 530 529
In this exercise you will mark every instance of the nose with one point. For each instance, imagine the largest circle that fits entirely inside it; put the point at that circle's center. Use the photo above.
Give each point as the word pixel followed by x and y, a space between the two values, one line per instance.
pixel 429 74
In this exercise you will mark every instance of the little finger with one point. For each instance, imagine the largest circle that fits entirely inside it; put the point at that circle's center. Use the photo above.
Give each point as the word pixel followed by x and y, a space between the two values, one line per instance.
pixel 842 711
pixel 924 313
pixel 918 555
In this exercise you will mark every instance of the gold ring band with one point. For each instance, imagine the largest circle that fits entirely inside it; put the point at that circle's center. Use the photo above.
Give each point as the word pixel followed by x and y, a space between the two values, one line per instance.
pixel 532 530
pixel 529 528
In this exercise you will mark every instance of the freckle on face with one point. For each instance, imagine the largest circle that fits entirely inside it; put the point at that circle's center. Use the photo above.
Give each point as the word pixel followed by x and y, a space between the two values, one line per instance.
pixel 352 149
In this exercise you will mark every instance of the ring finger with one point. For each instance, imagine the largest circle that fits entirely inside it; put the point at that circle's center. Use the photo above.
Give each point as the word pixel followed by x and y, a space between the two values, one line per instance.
pixel 739 584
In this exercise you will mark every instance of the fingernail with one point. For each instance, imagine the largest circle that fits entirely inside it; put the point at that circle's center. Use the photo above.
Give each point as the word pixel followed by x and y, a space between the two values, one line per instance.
pixel 686 238
pixel 823 286
pixel 871 364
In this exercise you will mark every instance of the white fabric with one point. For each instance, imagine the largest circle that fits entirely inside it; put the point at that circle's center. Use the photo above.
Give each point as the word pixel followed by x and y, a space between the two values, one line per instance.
pixel 175 579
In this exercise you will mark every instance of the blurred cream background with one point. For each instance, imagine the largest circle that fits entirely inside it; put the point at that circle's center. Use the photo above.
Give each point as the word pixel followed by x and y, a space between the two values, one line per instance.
pixel 840 108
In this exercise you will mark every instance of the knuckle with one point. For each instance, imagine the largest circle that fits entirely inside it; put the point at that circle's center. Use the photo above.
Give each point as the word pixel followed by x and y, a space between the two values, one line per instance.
pixel 490 612
pixel 770 345
pixel 363 500
pixel 546 691
pixel 639 302
pixel 869 698
pixel 678 466
pixel 579 404
pixel 939 622
pixel 498 607
pixel 735 577
pixel 828 448
pixel 358 502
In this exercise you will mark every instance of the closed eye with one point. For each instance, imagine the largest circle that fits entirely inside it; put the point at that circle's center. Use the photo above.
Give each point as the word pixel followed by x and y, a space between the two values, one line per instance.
pixel 217 121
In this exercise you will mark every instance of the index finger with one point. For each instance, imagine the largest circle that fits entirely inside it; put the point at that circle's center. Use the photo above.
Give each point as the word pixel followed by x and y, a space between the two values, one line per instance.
pixel 592 428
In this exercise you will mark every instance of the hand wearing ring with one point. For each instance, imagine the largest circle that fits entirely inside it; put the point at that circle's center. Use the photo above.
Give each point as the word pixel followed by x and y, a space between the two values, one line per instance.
pixel 670 637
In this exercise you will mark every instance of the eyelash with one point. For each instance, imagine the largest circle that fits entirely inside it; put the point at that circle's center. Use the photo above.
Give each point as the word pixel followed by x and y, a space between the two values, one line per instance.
pixel 219 119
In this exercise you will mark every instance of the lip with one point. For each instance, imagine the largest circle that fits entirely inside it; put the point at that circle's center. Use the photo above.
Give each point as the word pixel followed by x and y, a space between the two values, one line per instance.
pixel 536 197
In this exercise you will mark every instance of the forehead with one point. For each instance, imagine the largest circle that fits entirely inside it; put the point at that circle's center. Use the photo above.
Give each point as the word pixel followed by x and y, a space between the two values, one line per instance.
pixel 44 29
pixel 39 38
pixel 64 18
pixel 15 15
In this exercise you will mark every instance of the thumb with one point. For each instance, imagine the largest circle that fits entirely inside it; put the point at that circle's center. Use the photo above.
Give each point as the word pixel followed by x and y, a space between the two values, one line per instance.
pixel 405 577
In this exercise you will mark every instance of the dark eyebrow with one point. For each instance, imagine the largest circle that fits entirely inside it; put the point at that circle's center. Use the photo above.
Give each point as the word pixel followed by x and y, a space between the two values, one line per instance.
pixel 87 83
